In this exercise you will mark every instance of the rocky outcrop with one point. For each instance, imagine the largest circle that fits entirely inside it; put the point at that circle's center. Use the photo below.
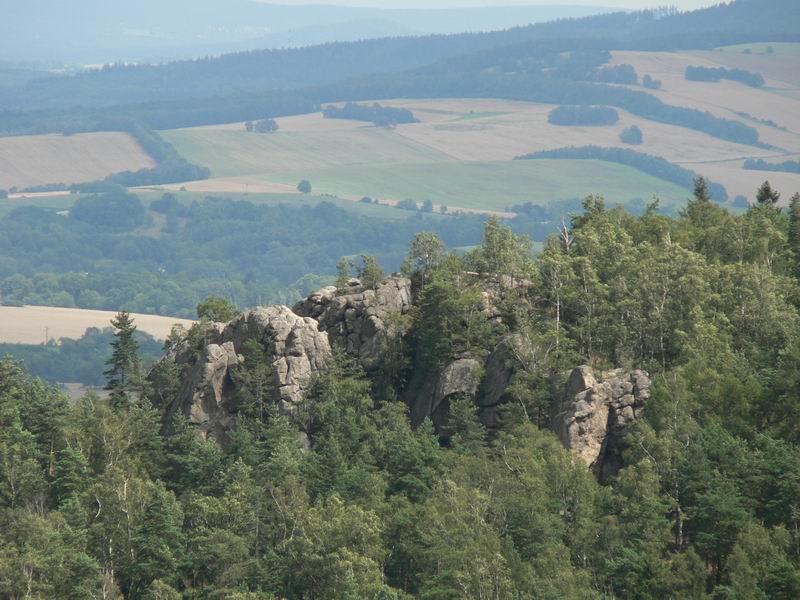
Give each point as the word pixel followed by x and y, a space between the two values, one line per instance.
pixel 502 364
pixel 459 378
pixel 358 320
pixel 294 345
pixel 596 413
pixel 205 388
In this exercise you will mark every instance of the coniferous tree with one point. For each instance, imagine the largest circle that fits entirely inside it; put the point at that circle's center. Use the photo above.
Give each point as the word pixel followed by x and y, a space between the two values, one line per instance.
pixel 371 272
pixel 343 273
pixel 123 375
pixel 766 195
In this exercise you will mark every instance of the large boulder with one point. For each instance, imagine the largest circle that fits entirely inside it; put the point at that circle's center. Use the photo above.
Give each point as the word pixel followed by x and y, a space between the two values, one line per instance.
pixel 295 348
pixel 358 320
pixel 596 413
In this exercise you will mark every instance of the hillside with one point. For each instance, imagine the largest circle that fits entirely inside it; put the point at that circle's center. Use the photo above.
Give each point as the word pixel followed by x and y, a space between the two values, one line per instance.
pixel 460 152
pixel 616 418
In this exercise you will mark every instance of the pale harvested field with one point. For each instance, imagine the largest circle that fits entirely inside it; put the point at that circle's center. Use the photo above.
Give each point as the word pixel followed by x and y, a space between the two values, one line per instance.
pixel 26 325
pixel 725 99
pixel 40 159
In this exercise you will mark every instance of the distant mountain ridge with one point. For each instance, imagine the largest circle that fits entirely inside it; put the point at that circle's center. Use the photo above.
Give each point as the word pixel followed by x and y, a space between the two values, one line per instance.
pixel 96 31
pixel 271 83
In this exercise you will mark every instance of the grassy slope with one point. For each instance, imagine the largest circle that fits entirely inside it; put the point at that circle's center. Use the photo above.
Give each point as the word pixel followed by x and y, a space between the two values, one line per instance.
pixel 229 152
pixel 491 185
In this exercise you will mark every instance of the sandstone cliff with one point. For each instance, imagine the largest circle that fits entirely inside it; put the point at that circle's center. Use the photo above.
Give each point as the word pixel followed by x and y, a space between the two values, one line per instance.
pixel 595 409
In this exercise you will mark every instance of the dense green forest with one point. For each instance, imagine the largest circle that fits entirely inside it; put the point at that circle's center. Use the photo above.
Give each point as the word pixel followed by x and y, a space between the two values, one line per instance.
pixel 112 253
pixel 382 116
pixel 719 73
pixel 77 361
pixel 344 499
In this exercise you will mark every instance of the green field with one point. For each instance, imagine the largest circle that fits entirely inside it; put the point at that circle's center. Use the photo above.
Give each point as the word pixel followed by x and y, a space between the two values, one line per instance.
pixel 492 185
pixel 231 153
pixel 384 164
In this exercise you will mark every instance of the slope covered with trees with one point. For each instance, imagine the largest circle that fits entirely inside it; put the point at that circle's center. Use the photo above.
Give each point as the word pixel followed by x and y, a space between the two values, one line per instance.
pixel 98 499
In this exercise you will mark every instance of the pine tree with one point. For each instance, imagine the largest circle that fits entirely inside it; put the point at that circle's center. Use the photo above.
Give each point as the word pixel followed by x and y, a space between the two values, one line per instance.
pixel 766 195
pixel 343 273
pixel 124 368
pixel 371 272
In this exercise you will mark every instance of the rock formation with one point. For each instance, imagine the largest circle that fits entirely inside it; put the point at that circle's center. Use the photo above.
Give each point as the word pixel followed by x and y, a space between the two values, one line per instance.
pixel 460 377
pixel 596 413
pixel 295 347
pixel 358 321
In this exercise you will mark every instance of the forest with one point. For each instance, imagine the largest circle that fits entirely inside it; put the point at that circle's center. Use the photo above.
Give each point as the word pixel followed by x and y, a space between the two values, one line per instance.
pixel 343 498
pixel 113 253
pixel 787 166
pixel 381 116
pixel 720 73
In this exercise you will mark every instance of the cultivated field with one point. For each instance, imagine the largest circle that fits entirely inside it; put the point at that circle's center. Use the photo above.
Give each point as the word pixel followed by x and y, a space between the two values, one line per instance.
pixel 41 159
pixel 778 100
pixel 494 186
pixel 460 153
pixel 35 324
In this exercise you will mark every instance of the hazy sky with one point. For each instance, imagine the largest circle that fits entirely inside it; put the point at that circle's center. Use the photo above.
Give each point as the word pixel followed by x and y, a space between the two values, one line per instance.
pixel 683 4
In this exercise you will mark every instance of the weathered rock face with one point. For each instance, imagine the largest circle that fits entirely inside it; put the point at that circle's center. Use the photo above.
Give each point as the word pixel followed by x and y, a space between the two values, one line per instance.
pixel 358 321
pixel 202 395
pixel 460 377
pixel 596 413
pixel 295 347
pixel 501 366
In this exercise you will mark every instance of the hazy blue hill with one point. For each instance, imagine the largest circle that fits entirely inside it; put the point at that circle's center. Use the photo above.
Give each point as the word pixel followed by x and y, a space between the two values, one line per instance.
pixel 97 31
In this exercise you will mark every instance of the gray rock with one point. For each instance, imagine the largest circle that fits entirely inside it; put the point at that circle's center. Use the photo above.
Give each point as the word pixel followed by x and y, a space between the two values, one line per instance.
pixel 357 320
pixel 597 412
pixel 460 377
pixel 295 347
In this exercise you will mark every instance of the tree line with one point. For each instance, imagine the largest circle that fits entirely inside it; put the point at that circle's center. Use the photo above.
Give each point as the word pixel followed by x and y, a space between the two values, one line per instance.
pixel 694 73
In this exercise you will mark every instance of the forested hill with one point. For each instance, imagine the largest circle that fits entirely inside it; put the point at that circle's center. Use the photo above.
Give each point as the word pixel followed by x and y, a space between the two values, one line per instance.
pixel 618 418
pixel 270 70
